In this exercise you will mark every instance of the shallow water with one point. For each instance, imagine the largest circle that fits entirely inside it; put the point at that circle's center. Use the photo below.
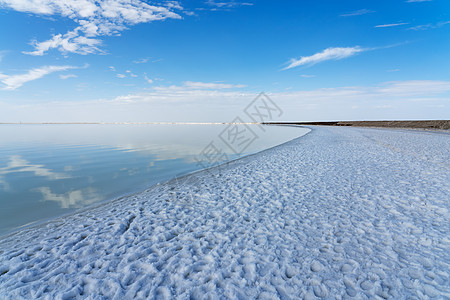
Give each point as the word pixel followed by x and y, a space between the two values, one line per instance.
pixel 51 170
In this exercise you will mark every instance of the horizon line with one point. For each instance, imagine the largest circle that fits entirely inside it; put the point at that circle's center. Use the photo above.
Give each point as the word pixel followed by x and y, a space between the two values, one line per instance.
pixel 130 123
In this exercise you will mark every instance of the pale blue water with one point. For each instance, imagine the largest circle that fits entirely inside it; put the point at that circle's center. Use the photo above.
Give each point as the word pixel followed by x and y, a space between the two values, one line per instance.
pixel 50 170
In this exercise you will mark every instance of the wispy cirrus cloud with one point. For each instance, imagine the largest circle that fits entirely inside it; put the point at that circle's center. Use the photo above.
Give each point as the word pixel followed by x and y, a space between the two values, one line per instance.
pixel 211 85
pixel 357 13
pixel 227 4
pixel 195 85
pixel 429 26
pixel 68 76
pixel 410 1
pixel 415 87
pixel 390 25
pixel 13 82
pixel 335 53
pixel 146 60
pixel 95 18
pixel 141 61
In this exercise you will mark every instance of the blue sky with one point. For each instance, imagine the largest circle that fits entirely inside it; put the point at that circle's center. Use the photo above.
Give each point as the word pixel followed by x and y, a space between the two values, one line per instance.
pixel 131 60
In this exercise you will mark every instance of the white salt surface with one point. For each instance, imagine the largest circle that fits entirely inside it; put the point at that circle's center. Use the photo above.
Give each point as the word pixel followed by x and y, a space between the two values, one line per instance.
pixel 338 213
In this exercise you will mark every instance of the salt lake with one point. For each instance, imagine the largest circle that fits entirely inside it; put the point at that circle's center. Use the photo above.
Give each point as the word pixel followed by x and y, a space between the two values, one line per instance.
pixel 51 170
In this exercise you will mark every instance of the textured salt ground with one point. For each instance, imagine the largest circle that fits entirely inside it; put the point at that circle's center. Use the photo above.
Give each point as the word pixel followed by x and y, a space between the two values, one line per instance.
pixel 339 213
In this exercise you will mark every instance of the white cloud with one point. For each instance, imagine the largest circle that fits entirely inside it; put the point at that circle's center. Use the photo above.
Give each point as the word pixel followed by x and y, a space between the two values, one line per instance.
pixel 69 42
pixel 141 61
pixel 422 27
pixel 429 26
pixel 390 25
pixel 149 80
pixel 13 82
pixel 68 76
pixel 146 60
pixel 307 76
pixel 228 4
pixel 112 68
pixel 196 86
pixel 327 54
pixel 410 1
pixel 199 92
pixel 415 87
pixel 409 99
pixel 385 106
pixel 174 5
pixel 131 73
pixel 127 72
pixel 210 85
pixel 357 13
pixel 95 18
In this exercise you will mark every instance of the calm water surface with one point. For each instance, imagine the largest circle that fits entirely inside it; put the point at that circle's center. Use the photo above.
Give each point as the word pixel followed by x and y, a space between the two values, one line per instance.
pixel 51 170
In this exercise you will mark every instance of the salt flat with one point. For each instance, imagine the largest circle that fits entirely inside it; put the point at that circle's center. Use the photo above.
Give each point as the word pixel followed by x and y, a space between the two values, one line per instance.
pixel 339 213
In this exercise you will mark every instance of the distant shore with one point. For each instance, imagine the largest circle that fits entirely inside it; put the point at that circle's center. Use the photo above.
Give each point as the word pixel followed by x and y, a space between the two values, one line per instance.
pixel 128 123
pixel 424 124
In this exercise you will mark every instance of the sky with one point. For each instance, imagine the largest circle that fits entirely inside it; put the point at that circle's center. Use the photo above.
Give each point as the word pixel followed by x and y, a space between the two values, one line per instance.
pixel 206 61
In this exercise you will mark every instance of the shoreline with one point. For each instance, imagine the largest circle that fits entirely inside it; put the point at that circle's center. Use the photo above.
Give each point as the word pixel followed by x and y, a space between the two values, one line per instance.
pixel 338 211
pixel 410 124
pixel 44 222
